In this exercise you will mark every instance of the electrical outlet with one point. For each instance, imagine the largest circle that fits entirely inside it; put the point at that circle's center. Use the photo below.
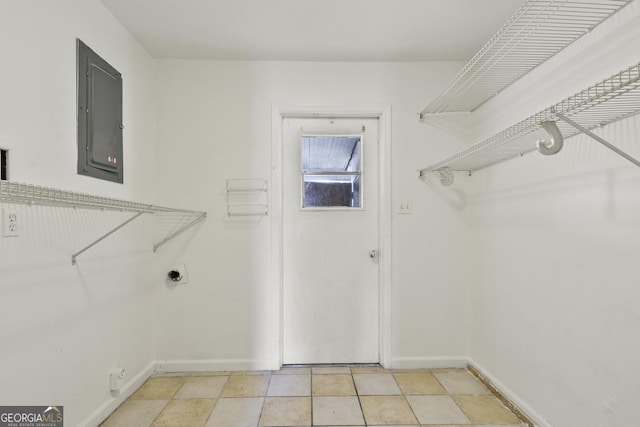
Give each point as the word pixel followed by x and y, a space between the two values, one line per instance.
pixel 10 223
pixel 116 378
pixel 405 207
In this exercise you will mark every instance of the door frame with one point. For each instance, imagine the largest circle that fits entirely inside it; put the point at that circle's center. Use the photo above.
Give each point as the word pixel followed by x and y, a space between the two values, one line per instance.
pixel 383 115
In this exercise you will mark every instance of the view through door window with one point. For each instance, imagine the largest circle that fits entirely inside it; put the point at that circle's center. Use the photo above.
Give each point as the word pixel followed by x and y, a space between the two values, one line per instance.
pixel 331 171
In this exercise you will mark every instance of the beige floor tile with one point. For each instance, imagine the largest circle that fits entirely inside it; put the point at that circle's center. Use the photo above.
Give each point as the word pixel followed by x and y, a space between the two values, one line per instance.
pixel 384 410
pixel 437 410
pixel 337 411
pixel 135 413
pixel 321 370
pixel 246 386
pixel 369 370
pixel 242 403
pixel 418 383
pixel 461 382
pixel 485 410
pixel 185 413
pixel 236 412
pixel 159 388
pixel 292 370
pixel 333 385
pixel 201 387
pixel 286 411
pixel 290 385
pixel 376 384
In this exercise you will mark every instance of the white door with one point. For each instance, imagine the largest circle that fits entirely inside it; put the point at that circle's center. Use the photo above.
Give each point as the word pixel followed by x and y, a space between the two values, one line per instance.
pixel 330 296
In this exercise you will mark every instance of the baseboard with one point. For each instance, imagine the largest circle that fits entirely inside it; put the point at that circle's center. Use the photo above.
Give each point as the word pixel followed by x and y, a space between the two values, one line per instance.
pixel 429 362
pixel 512 397
pixel 165 366
pixel 105 410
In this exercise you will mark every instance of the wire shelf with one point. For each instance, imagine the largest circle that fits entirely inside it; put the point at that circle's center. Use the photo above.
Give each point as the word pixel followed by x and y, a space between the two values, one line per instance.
pixel 247 197
pixel 536 32
pixel 16 192
pixel 613 99
pixel 174 221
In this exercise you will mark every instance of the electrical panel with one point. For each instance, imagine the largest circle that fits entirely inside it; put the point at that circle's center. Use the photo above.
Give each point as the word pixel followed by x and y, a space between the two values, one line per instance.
pixel 100 125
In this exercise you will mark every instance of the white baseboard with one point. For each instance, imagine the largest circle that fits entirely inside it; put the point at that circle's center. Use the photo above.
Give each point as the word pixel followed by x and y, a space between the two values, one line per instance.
pixel 165 366
pixel 429 362
pixel 511 396
pixel 105 410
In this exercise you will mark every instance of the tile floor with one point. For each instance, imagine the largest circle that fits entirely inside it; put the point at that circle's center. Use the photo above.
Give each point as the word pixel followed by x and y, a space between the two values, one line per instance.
pixel 319 396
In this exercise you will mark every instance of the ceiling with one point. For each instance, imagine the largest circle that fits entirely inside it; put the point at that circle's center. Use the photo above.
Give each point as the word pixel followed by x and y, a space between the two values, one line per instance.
pixel 313 30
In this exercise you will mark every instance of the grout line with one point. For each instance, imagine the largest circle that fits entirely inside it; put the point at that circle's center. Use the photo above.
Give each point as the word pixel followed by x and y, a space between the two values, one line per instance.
pixel 406 399
pixel 501 397
pixel 311 393
pixel 264 399
pixel 168 400
pixel 353 381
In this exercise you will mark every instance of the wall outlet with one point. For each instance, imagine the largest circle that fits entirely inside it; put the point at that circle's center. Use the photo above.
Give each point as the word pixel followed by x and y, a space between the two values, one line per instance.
pixel 177 275
pixel 405 207
pixel 10 223
pixel 116 379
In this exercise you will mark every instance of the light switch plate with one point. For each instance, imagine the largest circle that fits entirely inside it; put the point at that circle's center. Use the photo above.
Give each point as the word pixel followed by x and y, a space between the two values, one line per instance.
pixel 405 207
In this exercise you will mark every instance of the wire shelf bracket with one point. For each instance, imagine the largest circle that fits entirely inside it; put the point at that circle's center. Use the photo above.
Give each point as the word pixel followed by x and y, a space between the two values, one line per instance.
pixel 14 192
pixel 608 101
pixel 538 30
pixel 600 140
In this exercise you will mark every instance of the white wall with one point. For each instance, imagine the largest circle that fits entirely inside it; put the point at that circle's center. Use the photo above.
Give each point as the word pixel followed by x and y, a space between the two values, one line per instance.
pixel 214 123
pixel 64 327
pixel 555 288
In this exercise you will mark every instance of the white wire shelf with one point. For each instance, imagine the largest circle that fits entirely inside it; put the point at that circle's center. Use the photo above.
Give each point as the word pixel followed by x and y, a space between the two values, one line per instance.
pixel 247 197
pixel 175 221
pixel 536 32
pixel 613 99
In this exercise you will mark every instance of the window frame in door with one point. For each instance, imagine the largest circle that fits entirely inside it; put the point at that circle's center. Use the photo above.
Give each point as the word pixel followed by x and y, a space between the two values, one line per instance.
pixel 361 174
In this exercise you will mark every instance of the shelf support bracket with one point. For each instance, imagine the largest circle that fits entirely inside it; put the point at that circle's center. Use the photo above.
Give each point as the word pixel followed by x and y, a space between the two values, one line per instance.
pixel 599 139
pixel 74 256
pixel 180 231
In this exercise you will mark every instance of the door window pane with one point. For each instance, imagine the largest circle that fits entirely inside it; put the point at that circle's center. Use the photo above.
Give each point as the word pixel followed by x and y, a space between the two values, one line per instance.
pixel 331 171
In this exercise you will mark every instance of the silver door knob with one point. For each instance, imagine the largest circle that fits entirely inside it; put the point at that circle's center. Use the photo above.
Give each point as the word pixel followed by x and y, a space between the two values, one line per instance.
pixel 373 254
